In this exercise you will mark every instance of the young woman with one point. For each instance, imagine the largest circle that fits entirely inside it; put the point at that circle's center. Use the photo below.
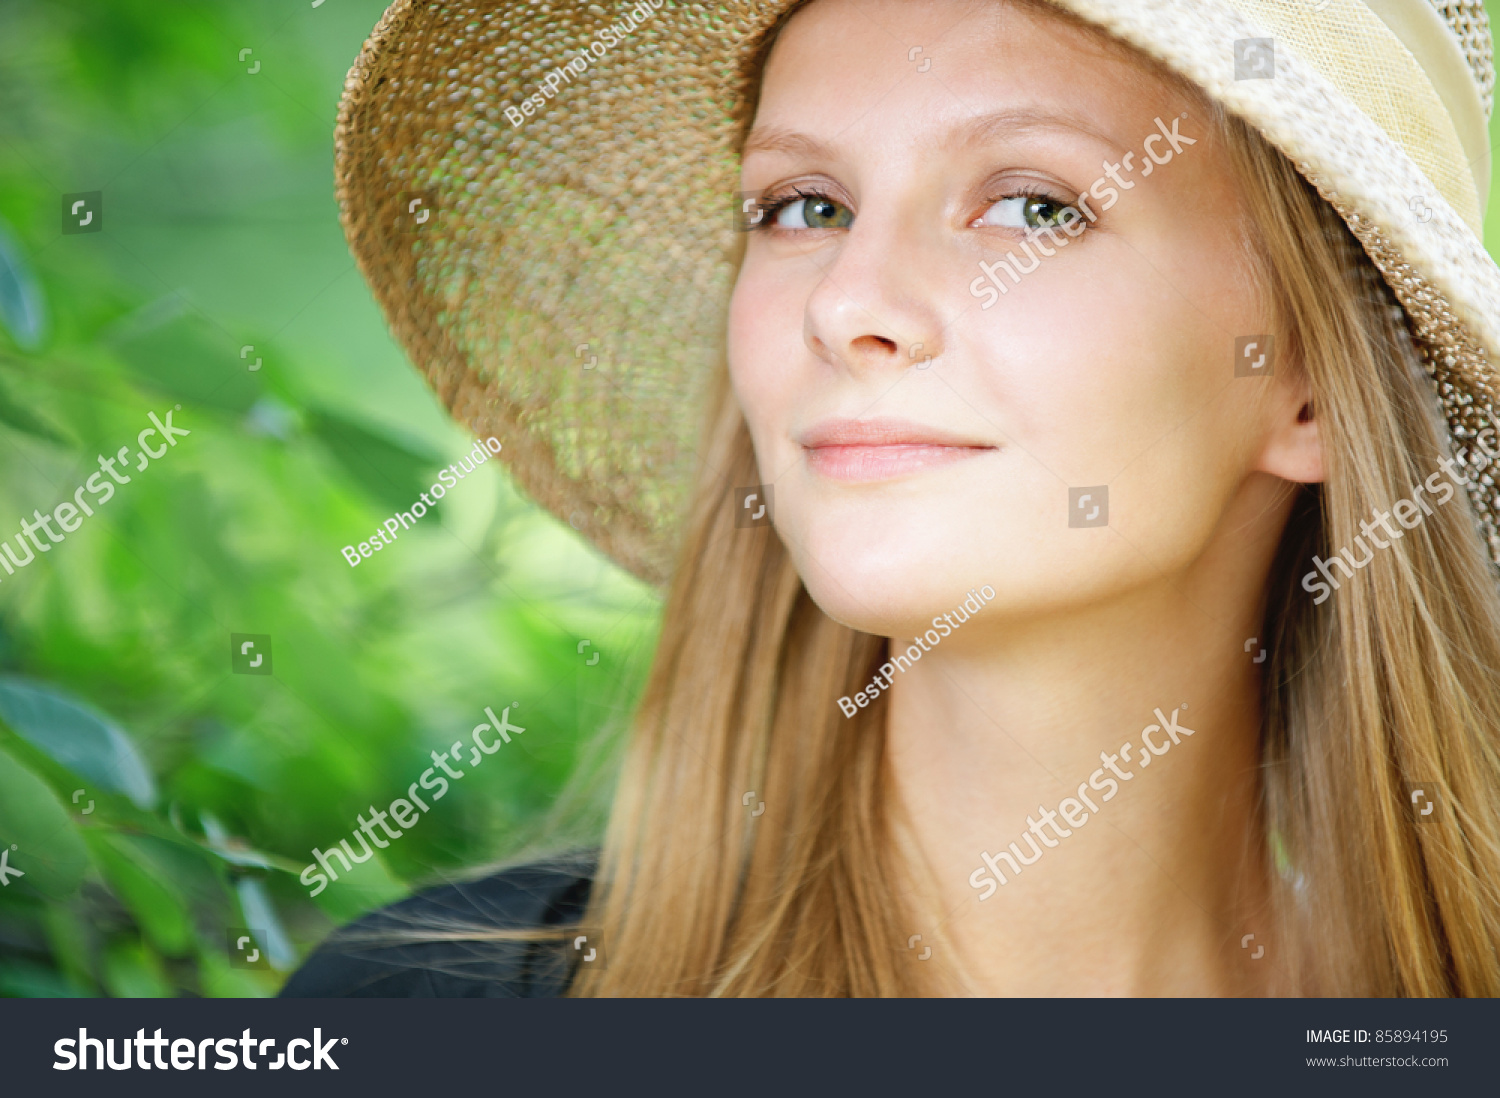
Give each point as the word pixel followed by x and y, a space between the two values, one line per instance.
pixel 1087 583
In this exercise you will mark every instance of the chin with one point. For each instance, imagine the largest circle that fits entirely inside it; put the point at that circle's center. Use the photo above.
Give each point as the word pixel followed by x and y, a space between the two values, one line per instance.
pixel 888 577
pixel 889 570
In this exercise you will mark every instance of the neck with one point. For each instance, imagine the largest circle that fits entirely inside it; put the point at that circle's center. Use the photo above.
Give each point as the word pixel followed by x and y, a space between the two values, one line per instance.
pixel 1147 861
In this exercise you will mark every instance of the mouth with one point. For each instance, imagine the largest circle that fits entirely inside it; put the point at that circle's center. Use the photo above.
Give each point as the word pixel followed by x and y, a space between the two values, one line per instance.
pixel 882 449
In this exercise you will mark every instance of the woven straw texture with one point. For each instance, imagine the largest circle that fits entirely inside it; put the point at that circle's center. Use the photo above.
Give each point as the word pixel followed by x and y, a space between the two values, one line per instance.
pixel 1471 23
pixel 562 283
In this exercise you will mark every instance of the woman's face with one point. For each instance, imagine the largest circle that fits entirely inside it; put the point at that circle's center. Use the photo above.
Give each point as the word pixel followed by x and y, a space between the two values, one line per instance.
pixel 922 428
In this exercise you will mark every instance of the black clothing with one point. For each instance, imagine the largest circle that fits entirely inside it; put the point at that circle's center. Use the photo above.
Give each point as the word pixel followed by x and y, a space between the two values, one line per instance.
pixel 354 963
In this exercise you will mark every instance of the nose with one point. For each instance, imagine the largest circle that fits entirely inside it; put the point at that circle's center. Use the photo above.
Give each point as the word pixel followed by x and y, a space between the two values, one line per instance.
pixel 874 309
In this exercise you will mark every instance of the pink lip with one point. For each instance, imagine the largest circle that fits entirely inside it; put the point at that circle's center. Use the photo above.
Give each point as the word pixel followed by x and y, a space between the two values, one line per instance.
pixel 880 449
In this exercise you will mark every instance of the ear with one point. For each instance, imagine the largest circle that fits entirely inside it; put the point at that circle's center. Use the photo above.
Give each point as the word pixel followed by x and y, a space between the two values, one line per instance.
pixel 1293 448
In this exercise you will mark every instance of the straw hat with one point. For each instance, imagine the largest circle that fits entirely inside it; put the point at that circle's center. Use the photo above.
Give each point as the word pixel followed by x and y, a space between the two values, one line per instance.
pixel 493 158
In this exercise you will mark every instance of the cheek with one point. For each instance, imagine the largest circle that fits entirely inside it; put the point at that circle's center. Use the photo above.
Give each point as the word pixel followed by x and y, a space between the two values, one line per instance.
pixel 1118 385
pixel 765 353
pixel 1088 378
pixel 1121 375
pixel 1160 414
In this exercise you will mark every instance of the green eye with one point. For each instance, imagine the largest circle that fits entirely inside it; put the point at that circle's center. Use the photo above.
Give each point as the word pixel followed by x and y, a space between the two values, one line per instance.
pixel 1045 213
pixel 824 213
pixel 813 212
pixel 1029 211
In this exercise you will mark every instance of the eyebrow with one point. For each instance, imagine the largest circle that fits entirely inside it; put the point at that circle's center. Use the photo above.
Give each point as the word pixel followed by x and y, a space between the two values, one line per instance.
pixel 973 131
pixel 989 127
pixel 782 140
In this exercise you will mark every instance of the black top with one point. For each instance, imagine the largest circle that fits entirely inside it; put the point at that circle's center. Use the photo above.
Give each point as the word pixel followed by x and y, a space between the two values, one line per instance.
pixel 355 962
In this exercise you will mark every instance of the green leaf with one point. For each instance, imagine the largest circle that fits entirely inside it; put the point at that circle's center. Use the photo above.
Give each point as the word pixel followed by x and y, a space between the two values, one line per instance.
pixel 184 357
pixel 236 851
pixel 69 938
pixel 363 888
pixel 260 914
pixel 220 981
pixel 22 312
pixel 395 473
pixel 132 971
pixel 134 877
pixel 37 838
pixel 26 981
pixel 77 736
pixel 17 416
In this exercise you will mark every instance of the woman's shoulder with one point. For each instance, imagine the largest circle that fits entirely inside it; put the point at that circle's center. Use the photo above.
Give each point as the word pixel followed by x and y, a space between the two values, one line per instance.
pixel 430 945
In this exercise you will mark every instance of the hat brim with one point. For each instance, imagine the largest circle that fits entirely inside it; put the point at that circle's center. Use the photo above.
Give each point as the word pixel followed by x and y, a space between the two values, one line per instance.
pixel 566 290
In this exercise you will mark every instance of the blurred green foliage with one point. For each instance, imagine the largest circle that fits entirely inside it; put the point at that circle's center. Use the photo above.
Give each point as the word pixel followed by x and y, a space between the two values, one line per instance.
pixel 154 800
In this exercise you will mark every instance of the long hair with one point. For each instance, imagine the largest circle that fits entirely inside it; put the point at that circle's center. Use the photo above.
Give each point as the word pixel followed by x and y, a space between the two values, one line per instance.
pixel 1392 684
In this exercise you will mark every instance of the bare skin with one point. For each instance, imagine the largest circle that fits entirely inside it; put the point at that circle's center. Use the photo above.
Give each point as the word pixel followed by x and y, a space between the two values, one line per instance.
pixel 1110 364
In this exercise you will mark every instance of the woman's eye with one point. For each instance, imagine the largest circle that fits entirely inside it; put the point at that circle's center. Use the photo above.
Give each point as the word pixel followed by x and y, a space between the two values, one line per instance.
pixel 1030 211
pixel 813 212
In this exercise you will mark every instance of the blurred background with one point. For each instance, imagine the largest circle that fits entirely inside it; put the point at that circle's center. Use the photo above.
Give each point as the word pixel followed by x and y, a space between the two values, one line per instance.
pixel 160 799
pixel 160 802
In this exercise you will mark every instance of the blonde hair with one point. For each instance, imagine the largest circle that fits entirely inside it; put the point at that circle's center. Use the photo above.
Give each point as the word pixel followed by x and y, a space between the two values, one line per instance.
pixel 1394 682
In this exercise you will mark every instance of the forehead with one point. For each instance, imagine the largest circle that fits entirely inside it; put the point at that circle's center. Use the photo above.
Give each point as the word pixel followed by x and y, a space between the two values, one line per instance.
pixel 923 72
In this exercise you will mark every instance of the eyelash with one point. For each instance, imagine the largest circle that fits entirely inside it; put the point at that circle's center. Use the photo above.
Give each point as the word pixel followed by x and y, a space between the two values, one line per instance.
pixel 1032 193
pixel 1036 194
pixel 770 207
